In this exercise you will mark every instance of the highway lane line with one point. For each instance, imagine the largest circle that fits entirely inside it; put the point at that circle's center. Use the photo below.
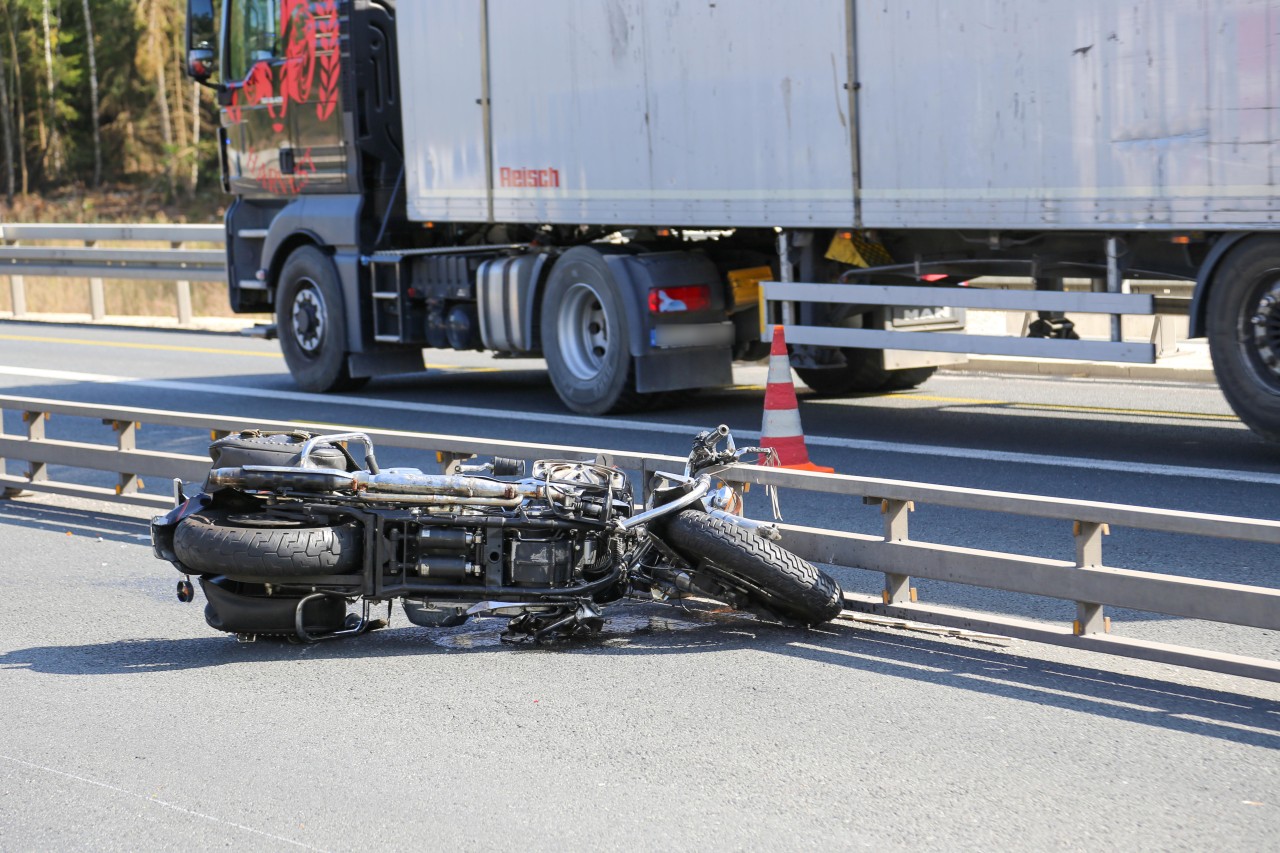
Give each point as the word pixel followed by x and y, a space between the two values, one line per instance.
pixel 565 419
pixel 159 802
pixel 1064 407
pixel 40 339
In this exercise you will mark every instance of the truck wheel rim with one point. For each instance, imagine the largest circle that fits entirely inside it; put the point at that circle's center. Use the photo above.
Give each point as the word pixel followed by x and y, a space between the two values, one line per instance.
pixel 1261 337
pixel 583 330
pixel 308 317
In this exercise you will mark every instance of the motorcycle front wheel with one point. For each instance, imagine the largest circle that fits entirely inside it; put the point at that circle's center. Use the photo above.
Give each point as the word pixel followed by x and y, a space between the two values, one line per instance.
pixel 771 576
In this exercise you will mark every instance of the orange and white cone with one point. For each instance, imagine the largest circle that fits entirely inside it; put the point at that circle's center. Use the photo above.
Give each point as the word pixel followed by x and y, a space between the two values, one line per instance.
pixel 781 429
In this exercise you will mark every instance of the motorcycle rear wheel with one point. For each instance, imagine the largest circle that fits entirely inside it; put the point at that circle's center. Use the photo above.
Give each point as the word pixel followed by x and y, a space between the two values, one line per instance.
pixel 219 543
pixel 791 587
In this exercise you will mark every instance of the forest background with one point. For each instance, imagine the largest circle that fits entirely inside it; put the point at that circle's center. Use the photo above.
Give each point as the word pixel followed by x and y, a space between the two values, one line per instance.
pixel 99 124
pixel 96 117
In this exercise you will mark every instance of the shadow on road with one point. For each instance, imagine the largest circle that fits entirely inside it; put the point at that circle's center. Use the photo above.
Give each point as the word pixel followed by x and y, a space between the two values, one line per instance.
pixel 74 521
pixel 650 629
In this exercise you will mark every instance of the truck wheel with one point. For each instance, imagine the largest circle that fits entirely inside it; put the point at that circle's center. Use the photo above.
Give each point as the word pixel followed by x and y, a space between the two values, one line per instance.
pixel 911 377
pixel 311 323
pixel 585 338
pixel 863 371
pixel 1244 334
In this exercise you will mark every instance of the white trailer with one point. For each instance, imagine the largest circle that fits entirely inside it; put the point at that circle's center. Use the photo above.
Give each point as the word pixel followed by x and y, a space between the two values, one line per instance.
pixel 973 114
pixel 559 167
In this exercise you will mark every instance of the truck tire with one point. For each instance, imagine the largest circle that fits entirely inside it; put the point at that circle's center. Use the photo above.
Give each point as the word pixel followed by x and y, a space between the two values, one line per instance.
pixel 1244 333
pixel 910 377
pixel 240 547
pixel 585 336
pixel 792 588
pixel 863 371
pixel 311 322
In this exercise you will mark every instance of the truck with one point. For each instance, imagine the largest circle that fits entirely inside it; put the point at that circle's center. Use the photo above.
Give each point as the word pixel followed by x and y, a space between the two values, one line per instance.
pixel 640 190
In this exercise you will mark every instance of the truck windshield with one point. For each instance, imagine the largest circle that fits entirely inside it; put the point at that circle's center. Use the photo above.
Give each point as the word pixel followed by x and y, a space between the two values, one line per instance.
pixel 253 35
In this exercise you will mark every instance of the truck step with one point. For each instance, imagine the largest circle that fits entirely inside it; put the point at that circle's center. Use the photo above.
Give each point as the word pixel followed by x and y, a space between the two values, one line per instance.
pixel 262 331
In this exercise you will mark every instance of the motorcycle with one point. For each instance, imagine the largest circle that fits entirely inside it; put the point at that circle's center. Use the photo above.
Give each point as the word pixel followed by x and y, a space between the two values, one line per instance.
pixel 290 529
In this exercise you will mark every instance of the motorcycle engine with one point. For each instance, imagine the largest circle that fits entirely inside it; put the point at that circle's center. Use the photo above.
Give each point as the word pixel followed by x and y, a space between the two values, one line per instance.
pixel 557 540
pixel 524 556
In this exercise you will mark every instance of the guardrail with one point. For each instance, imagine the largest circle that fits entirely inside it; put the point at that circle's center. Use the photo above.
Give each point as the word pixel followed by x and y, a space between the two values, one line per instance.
pixel 18 258
pixel 1085 579
pixel 176 263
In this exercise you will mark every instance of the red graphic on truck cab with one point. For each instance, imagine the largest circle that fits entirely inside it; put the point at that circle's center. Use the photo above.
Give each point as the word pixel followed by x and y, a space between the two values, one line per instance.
pixel 311 42
pixel 330 58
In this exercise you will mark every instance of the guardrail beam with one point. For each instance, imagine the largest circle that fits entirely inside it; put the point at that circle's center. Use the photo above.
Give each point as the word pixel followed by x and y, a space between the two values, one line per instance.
pixel 1085 580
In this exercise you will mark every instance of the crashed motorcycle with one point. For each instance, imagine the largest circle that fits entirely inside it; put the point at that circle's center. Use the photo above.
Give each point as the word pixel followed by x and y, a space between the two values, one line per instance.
pixel 290 530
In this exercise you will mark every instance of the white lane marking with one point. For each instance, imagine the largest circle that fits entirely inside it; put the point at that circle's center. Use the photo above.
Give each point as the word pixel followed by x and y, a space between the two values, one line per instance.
pixel 160 802
pixel 934 451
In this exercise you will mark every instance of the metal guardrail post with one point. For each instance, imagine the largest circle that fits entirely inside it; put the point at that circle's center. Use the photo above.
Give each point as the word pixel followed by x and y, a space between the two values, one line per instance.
pixel 897 588
pixel 182 289
pixel 97 293
pixel 126 439
pixel 1090 617
pixel 39 471
pixel 17 290
pixel 1164 336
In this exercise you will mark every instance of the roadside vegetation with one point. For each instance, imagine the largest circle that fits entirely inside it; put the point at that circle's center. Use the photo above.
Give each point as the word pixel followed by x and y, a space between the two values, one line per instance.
pixel 99 124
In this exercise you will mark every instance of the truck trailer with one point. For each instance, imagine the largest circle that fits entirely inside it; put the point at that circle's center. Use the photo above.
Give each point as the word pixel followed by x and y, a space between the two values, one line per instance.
pixel 637 190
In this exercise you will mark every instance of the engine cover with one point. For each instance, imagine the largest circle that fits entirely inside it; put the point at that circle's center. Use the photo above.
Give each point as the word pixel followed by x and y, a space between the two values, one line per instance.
pixel 540 561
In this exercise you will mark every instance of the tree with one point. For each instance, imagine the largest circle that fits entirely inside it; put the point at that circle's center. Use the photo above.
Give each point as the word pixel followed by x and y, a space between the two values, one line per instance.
pixel 53 151
pixel 6 122
pixel 93 94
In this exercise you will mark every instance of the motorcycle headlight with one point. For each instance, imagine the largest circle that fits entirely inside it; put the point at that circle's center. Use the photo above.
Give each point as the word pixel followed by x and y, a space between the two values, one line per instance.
pixel 726 498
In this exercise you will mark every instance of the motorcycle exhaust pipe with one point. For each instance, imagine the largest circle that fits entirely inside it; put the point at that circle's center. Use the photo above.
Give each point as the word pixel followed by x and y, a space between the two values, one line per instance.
pixel 405 482
pixel 400 483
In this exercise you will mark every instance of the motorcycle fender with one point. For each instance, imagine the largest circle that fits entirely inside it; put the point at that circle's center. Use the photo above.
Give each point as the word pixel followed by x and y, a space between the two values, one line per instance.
pixel 163 526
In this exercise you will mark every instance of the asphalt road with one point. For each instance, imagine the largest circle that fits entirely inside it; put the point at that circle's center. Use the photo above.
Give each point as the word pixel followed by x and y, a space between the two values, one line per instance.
pixel 127 724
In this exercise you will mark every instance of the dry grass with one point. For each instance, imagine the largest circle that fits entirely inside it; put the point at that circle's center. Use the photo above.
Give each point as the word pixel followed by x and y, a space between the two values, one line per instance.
pixel 128 298
pixel 118 204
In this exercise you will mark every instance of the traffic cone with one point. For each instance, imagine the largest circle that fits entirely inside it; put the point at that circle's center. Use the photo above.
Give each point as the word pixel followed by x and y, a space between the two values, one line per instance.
pixel 781 430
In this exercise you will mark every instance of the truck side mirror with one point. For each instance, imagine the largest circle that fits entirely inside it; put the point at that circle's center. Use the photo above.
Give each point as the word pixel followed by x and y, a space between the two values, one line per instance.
pixel 201 64
pixel 202 35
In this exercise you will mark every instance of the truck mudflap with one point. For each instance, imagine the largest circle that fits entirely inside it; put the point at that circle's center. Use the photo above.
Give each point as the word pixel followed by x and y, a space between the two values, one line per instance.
pixel 681 369
pixel 675 350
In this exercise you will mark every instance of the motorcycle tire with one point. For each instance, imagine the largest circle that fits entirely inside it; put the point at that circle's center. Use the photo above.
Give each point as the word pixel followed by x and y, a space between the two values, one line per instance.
pixel 792 587
pixel 217 543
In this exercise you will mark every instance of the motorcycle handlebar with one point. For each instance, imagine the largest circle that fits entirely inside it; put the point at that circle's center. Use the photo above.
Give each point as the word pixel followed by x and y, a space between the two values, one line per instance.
pixel 700 488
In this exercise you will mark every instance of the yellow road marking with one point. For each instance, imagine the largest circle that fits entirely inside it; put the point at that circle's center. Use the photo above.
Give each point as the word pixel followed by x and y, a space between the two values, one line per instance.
pixel 461 367
pixel 125 345
pixel 213 350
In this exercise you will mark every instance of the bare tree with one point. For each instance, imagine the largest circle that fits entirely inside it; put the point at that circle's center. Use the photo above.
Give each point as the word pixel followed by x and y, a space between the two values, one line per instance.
pixel 17 91
pixel 93 94
pixel 54 150
pixel 195 139
pixel 7 121
pixel 156 52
